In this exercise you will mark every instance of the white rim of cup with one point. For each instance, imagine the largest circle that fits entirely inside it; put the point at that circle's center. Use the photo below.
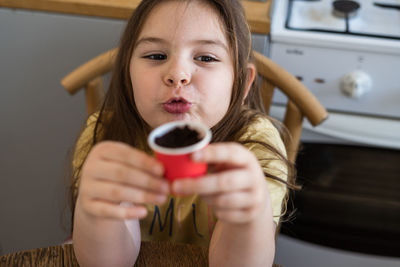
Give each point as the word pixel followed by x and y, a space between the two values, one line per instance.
pixel 161 130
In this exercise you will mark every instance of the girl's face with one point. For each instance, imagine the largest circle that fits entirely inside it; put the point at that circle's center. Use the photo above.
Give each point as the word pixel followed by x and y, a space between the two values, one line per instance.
pixel 181 67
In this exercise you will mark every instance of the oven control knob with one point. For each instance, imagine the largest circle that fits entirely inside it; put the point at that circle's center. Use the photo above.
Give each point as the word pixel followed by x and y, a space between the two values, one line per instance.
pixel 355 84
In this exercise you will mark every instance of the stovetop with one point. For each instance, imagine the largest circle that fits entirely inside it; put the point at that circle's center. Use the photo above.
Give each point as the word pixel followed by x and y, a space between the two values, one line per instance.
pixel 371 18
pixel 332 52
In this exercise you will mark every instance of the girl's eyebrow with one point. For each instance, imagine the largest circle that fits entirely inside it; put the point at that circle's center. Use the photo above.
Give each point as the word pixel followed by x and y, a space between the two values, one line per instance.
pixel 211 42
pixel 195 42
pixel 150 40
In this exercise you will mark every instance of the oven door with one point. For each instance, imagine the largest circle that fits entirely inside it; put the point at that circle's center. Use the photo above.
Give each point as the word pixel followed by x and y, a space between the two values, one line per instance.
pixel 349 168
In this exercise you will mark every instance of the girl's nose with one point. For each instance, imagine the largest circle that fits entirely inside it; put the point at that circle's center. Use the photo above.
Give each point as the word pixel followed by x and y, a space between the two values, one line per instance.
pixel 177 75
pixel 177 81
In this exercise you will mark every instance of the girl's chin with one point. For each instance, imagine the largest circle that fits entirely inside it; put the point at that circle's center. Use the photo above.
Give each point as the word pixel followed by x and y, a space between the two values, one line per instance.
pixel 182 117
pixel 175 117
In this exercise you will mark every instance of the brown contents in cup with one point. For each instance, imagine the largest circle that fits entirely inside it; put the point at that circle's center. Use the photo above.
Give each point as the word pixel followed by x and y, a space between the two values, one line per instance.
pixel 178 137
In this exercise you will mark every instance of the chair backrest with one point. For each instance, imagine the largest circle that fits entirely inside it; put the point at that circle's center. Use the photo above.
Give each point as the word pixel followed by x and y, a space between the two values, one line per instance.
pixel 301 102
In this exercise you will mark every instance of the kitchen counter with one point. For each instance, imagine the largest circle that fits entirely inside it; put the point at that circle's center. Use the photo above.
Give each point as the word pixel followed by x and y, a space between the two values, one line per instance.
pixel 257 13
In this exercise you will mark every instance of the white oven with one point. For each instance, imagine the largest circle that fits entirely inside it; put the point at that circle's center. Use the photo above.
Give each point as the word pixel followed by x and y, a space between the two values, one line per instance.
pixel 350 61
pixel 348 54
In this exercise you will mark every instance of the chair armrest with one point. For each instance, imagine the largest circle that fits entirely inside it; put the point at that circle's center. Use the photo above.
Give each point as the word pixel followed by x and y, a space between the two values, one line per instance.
pixel 308 104
pixel 90 70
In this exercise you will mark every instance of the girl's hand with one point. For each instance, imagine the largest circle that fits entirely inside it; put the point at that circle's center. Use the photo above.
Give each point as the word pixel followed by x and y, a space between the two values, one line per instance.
pixel 114 176
pixel 236 190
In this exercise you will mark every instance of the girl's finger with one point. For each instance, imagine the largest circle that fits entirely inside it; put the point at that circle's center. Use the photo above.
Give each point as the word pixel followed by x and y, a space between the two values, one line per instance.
pixel 125 154
pixel 235 200
pixel 112 192
pixel 227 181
pixel 115 211
pixel 230 153
pixel 236 216
pixel 129 176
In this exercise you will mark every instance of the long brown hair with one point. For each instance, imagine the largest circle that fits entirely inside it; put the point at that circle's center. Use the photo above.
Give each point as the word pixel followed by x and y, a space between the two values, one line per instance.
pixel 126 124
pixel 119 119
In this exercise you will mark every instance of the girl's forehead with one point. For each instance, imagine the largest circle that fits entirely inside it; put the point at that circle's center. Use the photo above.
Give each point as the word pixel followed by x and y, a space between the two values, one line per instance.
pixel 184 20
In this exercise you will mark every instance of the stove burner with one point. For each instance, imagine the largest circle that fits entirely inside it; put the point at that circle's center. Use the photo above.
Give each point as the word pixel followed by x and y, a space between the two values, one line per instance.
pixel 345 8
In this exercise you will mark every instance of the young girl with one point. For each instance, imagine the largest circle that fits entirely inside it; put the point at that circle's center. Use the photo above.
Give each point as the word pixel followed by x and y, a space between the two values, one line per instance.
pixel 180 60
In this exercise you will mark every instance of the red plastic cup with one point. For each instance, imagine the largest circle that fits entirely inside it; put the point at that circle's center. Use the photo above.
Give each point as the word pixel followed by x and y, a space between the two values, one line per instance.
pixel 176 161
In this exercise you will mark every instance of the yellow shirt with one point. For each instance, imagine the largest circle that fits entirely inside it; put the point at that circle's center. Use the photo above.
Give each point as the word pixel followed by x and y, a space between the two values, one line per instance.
pixel 191 220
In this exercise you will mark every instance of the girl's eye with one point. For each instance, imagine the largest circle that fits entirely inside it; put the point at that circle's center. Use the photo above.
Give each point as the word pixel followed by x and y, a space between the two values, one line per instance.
pixel 206 58
pixel 156 57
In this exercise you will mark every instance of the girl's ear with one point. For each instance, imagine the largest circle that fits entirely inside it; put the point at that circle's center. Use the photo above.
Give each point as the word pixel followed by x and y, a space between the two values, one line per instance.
pixel 251 74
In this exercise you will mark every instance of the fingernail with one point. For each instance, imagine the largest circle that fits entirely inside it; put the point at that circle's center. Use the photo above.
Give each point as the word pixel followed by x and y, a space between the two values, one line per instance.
pixel 141 213
pixel 161 199
pixel 196 156
pixel 176 187
pixel 158 169
pixel 165 187
pixel 137 213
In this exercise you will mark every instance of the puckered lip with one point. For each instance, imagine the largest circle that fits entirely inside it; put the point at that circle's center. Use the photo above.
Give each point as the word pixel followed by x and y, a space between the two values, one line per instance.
pixel 177 100
pixel 177 105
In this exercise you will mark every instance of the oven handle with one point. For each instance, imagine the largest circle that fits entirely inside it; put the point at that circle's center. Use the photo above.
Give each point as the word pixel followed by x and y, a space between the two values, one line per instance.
pixel 370 131
pixel 383 5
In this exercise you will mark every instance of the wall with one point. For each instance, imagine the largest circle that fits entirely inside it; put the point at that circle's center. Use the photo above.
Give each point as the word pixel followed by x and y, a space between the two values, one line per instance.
pixel 39 120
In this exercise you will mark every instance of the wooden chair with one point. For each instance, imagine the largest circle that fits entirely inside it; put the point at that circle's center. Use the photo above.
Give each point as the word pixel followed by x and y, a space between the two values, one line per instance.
pixel 301 102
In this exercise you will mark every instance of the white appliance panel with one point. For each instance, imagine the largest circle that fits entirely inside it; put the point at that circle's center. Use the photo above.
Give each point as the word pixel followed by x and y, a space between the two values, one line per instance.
pixel 321 70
